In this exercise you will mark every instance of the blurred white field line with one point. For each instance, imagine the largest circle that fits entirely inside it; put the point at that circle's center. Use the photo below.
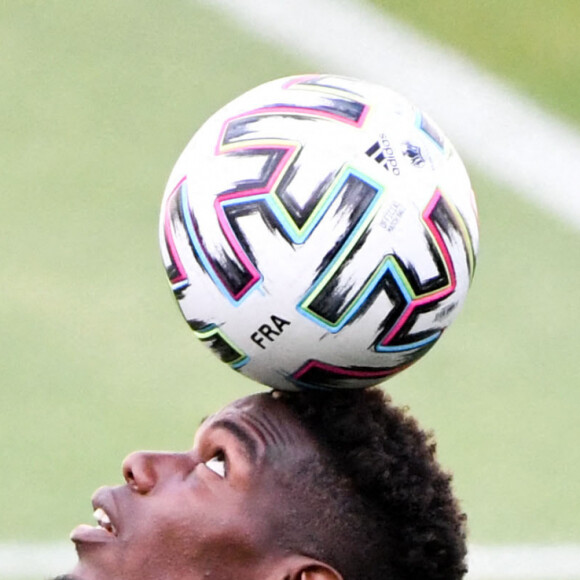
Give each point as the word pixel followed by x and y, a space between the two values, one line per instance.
pixel 522 562
pixel 497 130
pixel 41 560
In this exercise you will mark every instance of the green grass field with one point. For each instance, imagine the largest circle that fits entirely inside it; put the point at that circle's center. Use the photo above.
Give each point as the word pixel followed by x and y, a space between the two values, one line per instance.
pixel 97 101
pixel 532 44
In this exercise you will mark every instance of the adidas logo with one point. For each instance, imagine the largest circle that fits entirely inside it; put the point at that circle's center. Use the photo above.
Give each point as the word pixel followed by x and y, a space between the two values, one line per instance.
pixel 382 152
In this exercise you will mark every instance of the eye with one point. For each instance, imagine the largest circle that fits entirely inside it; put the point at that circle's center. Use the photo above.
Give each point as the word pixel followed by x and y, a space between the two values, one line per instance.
pixel 217 464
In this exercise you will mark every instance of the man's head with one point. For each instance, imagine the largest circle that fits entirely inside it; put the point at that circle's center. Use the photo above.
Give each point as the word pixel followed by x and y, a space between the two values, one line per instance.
pixel 315 486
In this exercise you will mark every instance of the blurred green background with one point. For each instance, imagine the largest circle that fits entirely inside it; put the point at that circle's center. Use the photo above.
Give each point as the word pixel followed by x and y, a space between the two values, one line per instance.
pixel 96 102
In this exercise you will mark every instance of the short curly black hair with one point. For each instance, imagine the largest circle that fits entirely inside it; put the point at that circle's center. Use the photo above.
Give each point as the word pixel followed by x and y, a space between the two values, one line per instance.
pixel 378 506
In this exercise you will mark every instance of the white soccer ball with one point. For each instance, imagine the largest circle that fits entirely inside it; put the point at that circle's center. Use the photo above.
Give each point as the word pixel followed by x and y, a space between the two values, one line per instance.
pixel 319 232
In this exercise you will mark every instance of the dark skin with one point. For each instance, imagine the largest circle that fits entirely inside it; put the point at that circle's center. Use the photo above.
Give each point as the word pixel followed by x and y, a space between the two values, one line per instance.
pixel 207 512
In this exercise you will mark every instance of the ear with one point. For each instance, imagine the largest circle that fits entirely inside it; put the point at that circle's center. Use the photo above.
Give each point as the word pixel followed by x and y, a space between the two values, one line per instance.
pixel 319 571
pixel 303 568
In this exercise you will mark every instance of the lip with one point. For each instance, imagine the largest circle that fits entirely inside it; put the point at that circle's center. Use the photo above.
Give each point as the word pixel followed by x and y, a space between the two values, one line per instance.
pixel 86 534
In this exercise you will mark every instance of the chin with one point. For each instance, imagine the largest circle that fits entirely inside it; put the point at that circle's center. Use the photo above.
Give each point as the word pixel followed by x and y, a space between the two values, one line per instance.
pixel 84 572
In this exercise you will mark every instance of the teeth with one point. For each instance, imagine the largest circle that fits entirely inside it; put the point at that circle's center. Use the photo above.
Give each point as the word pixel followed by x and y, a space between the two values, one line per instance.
pixel 103 519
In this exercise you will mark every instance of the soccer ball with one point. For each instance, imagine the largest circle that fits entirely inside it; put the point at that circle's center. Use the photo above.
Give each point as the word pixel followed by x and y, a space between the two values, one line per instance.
pixel 319 232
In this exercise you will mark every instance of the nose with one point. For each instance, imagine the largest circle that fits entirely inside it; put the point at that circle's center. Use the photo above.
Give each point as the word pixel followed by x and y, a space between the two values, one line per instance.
pixel 144 470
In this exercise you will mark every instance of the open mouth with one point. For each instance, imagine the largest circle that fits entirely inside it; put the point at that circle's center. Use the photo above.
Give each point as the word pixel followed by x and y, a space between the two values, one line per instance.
pixel 104 531
pixel 104 521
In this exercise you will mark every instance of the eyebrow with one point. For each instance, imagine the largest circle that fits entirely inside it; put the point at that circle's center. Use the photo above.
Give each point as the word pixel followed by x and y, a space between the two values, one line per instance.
pixel 248 442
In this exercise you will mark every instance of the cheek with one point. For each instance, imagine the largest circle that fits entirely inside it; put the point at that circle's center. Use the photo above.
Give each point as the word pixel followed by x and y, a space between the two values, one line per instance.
pixel 195 536
pixel 168 526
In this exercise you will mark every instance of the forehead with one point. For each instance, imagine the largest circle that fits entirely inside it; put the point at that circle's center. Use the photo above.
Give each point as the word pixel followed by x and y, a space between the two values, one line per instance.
pixel 267 421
